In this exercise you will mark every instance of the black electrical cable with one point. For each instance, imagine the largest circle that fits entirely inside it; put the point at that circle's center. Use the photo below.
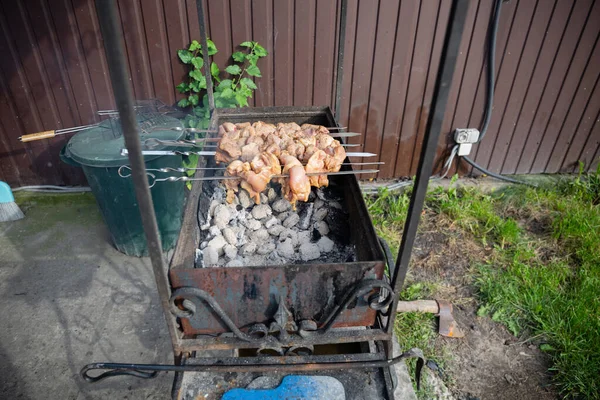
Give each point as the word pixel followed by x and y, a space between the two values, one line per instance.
pixel 490 95
pixel 490 69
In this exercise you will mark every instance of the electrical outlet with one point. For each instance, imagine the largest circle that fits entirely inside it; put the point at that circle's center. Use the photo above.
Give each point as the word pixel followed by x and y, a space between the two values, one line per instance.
pixel 465 138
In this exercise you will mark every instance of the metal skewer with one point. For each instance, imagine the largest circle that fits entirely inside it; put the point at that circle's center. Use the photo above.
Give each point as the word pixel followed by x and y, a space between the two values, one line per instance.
pixel 52 133
pixel 153 142
pixel 123 168
pixel 195 130
pixel 184 178
pixel 124 152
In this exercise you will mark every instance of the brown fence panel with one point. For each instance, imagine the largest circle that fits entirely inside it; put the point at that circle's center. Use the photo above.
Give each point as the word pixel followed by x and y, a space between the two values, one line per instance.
pixel 546 115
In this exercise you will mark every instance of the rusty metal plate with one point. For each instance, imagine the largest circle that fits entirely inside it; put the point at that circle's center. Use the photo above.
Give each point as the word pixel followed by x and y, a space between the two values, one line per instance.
pixel 251 295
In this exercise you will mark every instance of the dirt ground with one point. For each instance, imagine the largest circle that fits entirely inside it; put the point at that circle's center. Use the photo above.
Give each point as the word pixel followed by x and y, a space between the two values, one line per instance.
pixel 488 362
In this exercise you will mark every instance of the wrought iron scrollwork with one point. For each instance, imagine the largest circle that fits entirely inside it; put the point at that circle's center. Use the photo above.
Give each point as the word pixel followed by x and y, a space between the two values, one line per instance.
pixel 188 295
pixel 361 289
pixel 185 301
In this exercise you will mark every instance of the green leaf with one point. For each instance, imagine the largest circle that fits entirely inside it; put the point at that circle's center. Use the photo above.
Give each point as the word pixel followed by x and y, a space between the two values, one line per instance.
pixel 252 58
pixel 248 82
pixel 246 91
pixel 183 87
pixel 253 71
pixel 194 99
pixel 197 62
pixel 183 103
pixel 212 49
pixel 260 51
pixel 246 44
pixel 227 93
pixel 194 46
pixel 198 85
pixel 219 103
pixel 241 99
pixel 214 71
pixel 233 69
pixel 225 83
pixel 185 56
pixel 239 56
pixel 195 74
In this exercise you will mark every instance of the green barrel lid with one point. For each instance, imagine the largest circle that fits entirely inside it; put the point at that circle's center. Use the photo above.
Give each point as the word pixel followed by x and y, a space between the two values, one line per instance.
pixel 98 147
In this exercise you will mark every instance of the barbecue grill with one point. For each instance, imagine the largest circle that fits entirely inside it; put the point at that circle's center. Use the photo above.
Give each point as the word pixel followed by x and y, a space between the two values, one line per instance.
pixel 296 314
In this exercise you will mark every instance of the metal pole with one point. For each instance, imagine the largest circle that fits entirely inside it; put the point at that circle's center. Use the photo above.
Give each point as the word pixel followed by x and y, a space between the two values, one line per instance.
pixel 340 59
pixel 204 42
pixel 454 32
pixel 115 56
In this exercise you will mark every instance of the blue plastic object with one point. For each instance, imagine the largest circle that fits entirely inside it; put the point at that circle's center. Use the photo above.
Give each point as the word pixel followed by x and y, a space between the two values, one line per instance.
pixel 293 387
pixel 6 195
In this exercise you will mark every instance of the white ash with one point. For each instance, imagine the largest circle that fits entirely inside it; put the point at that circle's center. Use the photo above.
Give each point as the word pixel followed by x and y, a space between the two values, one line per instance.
pixel 270 233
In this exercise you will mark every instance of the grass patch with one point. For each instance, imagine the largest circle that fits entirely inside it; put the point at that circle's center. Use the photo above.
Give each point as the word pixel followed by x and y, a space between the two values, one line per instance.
pixel 542 279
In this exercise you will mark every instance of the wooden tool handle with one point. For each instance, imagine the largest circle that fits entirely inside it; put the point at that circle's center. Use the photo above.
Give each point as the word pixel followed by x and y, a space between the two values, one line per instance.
pixel 37 136
pixel 428 306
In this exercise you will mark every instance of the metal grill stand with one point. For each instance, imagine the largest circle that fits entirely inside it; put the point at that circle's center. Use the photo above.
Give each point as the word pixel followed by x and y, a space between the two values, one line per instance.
pixel 382 296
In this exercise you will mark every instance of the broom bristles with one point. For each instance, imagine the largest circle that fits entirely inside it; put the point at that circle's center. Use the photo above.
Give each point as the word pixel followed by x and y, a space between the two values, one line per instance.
pixel 10 212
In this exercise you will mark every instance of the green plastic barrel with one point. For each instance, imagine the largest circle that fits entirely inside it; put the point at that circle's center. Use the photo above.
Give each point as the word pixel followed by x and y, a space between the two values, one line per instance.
pixel 98 153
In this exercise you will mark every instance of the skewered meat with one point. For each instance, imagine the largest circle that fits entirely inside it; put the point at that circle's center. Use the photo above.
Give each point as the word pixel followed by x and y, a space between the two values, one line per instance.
pixel 316 163
pixel 249 151
pixel 255 152
pixel 298 185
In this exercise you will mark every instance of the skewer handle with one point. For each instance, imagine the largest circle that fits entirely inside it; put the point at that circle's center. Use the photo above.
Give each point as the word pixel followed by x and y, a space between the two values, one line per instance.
pixel 37 136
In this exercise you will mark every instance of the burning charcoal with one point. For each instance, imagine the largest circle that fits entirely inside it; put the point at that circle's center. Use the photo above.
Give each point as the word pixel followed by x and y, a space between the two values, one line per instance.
pixel 271 195
pixel 205 226
pixel 210 257
pixel 251 224
pixel 335 204
pixel 261 211
pixel 217 243
pixel 276 230
pixel 271 222
pixel 212 207
pixel 264 199
pixel 305 214
pixel 281 217
pixel 292 220
pixel 203 245
pixel 319 204
pixel 230 251
pixel 222 216
pixel 235 263
pixel 320 214
pixel 325 244
pixel 249 249
pixel 322 227
pixel 245 200
pixel 304 237
pixel 289 234
pixel 286 248
pixel 214 231
pixel 281 205
pixel 255 260
pixel 309 251
pixel 230 236
pixel 260 236
pixel 267 248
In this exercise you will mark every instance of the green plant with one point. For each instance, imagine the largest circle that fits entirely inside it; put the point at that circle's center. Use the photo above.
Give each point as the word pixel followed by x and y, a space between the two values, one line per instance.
pixel 229 92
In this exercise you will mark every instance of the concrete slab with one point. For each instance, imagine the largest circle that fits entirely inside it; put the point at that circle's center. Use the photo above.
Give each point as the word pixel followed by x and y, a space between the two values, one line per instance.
pixel 69 298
